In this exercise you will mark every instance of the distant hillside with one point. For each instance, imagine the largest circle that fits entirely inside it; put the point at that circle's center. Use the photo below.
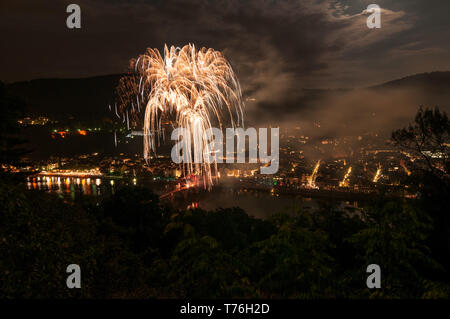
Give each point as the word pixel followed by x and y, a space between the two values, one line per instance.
pixel 88 98
pixel 83 99
pixel 432 80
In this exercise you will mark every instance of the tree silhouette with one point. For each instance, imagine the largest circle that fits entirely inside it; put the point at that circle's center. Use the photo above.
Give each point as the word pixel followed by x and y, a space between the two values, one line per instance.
pixel 427 143
pixel 427 139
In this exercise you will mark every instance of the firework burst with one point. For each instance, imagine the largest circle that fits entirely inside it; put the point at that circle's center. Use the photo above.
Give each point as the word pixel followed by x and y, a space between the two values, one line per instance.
pixel 197 89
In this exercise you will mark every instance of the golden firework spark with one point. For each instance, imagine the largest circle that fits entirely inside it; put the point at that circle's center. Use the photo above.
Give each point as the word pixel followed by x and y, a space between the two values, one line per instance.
pixel 196 88
pixel 407 171
pixel 344 182
pixel 377 174
pixel 313 176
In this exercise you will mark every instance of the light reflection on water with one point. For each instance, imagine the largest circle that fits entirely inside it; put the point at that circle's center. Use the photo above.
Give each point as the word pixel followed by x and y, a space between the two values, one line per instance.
pixel 69 186
pixel 255 203
pixel 258 204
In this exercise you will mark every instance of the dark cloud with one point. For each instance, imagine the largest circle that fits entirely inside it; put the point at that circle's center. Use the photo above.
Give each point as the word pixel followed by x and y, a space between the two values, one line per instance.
pixel 277 47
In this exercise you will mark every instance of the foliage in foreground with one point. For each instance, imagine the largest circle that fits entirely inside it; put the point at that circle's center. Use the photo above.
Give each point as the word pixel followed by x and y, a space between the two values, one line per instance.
pixel 131 246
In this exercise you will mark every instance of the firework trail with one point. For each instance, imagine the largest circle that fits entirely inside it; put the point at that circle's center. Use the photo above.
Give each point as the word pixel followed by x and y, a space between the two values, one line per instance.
pixel 344 182
pixel 188 88
pixel 377 174
pixel 313 176
pixel 402 164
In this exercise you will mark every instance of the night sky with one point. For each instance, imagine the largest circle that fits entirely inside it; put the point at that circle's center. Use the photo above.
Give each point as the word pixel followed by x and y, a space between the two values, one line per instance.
pixel 275 47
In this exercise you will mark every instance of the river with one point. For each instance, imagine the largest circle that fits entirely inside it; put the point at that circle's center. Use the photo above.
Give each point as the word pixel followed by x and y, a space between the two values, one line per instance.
pixel 257 203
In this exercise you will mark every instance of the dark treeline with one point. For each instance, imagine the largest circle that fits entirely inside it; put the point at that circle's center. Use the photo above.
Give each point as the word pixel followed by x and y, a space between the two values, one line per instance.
pixel 131 246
